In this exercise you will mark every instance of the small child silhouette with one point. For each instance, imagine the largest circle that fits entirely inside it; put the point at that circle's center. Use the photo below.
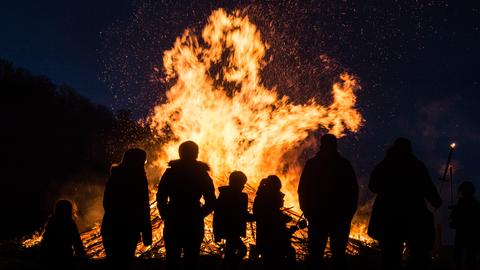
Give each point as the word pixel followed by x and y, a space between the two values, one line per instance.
pixel 61 237
pixel 273 234
pixel 230 219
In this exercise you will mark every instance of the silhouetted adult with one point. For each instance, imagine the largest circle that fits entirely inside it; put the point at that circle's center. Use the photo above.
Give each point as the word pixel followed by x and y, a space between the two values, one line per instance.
pixel 273 235
pixel 465 219
pixel 61 237
pixel 180 189
pixel 328 196
pixel 127 210
pixel 400 214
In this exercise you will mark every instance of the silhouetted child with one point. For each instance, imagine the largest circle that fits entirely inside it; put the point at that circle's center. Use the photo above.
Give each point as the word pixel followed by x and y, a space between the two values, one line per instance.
pixel 61 237
pixel 273 234
pixel 230 219
pixel 465 219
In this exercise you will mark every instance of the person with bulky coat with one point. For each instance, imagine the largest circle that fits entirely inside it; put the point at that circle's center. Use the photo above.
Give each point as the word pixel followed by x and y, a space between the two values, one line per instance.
pixel 127 210
pixel 400 214
pixel 328 196
pixel 185 182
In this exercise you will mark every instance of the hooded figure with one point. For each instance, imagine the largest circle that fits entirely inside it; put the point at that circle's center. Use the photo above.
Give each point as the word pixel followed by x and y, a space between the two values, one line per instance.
pixel 273 234
pixel 230 219
pixel 400 214
pixel 127 210
pixel 328 196
pixel 180 190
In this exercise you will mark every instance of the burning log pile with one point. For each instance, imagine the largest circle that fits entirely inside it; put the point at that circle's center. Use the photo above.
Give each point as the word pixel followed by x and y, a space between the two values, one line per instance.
pixel 218 100
pixel 92 238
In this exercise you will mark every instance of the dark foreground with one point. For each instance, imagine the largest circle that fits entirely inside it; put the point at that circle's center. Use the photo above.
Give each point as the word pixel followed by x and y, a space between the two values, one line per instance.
pixel 14 257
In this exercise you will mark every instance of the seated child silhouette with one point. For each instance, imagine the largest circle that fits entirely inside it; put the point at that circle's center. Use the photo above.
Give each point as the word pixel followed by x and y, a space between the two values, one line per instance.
pixel 61 237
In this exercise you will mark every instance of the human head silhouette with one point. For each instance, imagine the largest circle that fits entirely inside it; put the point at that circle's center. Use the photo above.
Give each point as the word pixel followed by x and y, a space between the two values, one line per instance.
pixel 134 158
pixel 63 209
pixel 401 146
pixel 328 142
pixel 237 180
pixel 188 151
pixel 466 189
pixel 273 183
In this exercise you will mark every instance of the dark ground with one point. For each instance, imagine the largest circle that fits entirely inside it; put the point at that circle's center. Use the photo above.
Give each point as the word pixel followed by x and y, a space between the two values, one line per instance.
pixel 14 257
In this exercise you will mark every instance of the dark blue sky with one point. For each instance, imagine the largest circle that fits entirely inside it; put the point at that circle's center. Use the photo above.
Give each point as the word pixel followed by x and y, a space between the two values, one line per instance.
pixel 417 60
pixel 60 39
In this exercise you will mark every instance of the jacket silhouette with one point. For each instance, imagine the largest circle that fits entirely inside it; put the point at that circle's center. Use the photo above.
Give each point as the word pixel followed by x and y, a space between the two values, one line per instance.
pixel 328 196
pixel 273 234
pixel 127 210
pixel 61 237
pixel 180 189
pixel 230 219
pixel 465 219
pixel 399 213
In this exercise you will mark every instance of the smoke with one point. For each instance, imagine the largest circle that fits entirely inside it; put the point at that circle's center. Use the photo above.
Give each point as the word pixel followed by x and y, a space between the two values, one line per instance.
pixel 85 190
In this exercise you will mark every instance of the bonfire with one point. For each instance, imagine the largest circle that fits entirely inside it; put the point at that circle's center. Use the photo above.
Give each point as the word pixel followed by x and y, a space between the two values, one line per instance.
pixel 217 99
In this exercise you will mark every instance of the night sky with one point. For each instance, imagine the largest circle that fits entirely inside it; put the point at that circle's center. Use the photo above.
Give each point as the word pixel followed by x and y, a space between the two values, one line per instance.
pixel 417 61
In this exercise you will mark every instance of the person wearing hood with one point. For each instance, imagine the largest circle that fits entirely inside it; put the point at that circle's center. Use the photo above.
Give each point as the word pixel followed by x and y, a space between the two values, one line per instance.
pixel 230 219
pixel 400 214
pixel 328 196
pixel 127 210
pixel 273 235
pixel 180 190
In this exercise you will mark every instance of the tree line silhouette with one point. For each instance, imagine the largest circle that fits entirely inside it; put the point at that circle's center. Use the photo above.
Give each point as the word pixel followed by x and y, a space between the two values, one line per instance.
pixel 50 134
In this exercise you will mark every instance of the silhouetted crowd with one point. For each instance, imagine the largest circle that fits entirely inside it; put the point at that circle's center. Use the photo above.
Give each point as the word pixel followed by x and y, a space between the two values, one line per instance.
pixel 327 193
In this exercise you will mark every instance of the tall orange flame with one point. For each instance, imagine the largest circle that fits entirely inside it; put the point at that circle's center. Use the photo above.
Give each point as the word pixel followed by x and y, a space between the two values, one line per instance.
pixel 218 100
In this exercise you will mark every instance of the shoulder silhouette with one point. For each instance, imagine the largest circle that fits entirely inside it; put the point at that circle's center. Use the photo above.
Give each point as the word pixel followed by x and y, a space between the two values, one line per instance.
pixel 180 190
pixel 400 214
pixel 328 196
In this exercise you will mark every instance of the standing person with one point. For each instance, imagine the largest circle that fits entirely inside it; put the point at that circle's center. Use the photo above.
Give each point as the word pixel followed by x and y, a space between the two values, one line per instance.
pixel 127 210
pixel 61 237
pixel 230 219
pixel 328 196
pixel 465 219
pixel 400 213
pixel 273 234
pixel 180 190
